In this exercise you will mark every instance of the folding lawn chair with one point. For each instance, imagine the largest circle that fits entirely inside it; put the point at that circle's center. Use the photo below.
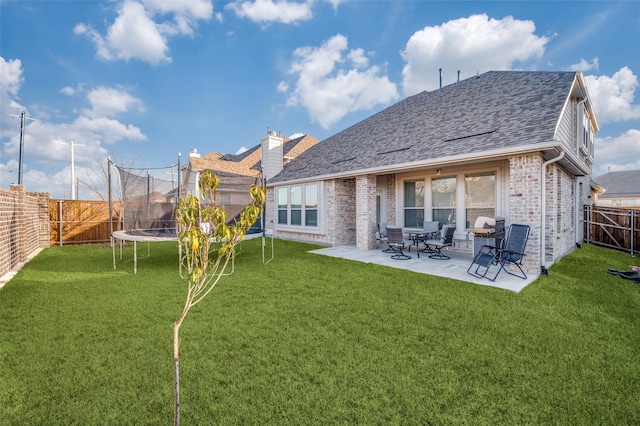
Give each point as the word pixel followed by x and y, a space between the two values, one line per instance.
pixel 510 253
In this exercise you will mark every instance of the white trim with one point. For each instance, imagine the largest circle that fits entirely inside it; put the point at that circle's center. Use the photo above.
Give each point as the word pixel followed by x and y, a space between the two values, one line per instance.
pixel 450 161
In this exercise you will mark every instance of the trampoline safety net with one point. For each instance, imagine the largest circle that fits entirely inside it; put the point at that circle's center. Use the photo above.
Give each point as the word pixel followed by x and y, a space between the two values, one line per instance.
pixel 149 197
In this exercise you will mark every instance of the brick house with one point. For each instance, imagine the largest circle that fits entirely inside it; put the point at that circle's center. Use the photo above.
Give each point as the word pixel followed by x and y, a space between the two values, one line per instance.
pixel 238 172
pixel 506 143
pixel 621 189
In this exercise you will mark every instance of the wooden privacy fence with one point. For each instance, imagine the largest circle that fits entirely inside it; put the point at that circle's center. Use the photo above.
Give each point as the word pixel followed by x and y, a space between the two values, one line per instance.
pixel 612 227
pixel 81 222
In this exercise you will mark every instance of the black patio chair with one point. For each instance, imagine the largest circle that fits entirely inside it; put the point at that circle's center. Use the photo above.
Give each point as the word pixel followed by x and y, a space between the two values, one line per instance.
pixel 435 246
pixel 430 231
pixel 397 243
pixel 510 253
pixel 381 235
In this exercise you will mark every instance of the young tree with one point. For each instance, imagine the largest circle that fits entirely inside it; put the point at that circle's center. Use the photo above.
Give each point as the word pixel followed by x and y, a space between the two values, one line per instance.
pixel 201 224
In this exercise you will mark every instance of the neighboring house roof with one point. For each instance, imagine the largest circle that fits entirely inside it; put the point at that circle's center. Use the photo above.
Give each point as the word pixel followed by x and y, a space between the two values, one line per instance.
pixel 624 184
pixel 247 163
pixel 499 111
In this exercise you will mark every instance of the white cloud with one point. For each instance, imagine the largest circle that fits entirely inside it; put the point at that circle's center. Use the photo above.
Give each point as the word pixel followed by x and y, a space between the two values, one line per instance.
pixel 473 44
pixel 585 65
pixel 11 76
pixel 107 101
pixel 68 90
pixel 265 11
pixel 329 89
pixel 358 58
pixel 283 87
pixel 11 80
pixel 110 130
pixel 613 96
pixel 189 10
pixel 617 153
pixel 134 35
pixel 140 32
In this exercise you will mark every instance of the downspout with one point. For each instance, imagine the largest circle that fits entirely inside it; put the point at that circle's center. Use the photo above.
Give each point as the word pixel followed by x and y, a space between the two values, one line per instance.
pixel 578 192
pixel 543 216
pixel 579 211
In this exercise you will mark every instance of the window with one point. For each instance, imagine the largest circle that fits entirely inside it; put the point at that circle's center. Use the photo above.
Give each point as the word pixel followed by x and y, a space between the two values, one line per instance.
pixel 298 205
pixel 443 200
pixel 283 202
pixel 414 203
pixel 480 196
pixel 311 205
pixel 587 135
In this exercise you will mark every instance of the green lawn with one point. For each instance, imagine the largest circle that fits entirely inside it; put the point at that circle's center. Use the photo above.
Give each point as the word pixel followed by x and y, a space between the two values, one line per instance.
pixel 309 339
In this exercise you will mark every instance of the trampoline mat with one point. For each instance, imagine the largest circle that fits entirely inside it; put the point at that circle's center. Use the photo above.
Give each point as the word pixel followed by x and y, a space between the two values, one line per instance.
pixel 154 232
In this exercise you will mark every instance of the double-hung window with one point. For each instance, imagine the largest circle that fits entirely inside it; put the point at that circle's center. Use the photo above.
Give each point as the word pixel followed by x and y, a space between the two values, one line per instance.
pixel 586 147
pixel 414 203
pixel 479 196
pixel 298 205
pixel 443 200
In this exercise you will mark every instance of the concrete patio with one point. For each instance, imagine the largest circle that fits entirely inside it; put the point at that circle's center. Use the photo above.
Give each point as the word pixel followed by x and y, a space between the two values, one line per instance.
pixel 455 268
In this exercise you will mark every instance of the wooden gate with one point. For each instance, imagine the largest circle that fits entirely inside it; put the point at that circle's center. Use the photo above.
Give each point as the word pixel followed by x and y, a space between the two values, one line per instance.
pixel 612 227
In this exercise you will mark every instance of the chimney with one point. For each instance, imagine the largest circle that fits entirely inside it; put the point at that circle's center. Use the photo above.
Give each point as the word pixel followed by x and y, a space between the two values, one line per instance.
pixel 194 153
pixel 272 153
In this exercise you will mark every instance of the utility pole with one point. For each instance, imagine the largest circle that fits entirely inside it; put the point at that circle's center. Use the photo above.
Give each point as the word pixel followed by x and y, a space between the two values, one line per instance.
pixel 74 194
pixel 23 117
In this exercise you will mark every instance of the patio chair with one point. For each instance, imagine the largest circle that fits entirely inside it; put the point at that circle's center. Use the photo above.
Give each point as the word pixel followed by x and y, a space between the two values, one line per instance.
pixel 381 235
pixel 435 246
pixel 430 230
pixel 510 252
pixel 397 243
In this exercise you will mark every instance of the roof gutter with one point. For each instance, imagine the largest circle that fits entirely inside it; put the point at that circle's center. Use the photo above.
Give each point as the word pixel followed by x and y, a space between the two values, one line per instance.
pixel 543 208
pixel 439 162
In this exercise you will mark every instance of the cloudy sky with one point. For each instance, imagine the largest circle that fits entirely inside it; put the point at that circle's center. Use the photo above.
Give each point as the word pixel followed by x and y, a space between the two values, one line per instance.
pixel 143 80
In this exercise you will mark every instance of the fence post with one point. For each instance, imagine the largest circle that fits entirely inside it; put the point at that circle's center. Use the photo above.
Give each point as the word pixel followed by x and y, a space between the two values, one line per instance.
pixel 588 208
pixel 60 220
pixel 633 225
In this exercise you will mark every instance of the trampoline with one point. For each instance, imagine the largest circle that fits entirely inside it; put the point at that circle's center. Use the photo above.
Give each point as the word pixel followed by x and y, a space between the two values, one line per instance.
pixel 148 200
pixel 141 235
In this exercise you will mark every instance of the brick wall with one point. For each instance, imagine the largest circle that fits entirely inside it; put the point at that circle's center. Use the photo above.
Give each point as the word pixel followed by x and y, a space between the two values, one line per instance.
pixel 525 203
pixel 392 215
pixel 559 221
pixel 24 225
pixel 366 212
pixel 342 229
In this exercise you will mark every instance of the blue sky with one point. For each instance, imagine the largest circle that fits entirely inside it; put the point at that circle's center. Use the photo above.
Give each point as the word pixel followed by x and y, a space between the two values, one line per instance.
pixel 144 80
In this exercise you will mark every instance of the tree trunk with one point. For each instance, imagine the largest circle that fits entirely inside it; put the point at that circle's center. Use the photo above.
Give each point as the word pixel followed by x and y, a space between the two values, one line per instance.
pixel 176 376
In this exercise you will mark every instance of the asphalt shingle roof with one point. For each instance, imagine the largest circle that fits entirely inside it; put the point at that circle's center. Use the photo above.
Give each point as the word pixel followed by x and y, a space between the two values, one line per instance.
pixel 623 184
pixel 248 162
pixel 495 110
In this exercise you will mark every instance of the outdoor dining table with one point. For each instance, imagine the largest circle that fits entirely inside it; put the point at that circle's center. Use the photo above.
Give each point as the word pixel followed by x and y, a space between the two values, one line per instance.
pixel 418 235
